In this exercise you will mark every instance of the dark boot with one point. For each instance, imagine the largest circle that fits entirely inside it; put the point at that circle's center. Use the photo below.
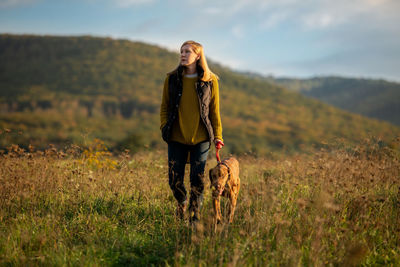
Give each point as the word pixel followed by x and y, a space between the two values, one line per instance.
pixel 196 201
pixel 180 210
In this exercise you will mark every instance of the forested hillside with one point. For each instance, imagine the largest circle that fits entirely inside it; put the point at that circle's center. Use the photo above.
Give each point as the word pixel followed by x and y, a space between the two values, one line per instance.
pixel 372 98
pixel 69 90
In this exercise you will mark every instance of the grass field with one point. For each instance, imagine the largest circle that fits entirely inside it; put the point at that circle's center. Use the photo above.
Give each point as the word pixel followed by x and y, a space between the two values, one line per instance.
pixel 85 207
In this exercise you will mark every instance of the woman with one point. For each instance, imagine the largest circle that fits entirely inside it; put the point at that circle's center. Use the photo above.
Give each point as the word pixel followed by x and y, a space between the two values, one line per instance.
pixel 190 122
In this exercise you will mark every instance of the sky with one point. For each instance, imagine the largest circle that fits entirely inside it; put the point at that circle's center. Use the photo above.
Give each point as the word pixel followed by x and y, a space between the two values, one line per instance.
pixel 282 38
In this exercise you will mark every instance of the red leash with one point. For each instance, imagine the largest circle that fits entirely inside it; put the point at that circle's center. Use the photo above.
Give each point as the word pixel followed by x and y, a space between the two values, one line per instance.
pixel 218 146
pixel 217 154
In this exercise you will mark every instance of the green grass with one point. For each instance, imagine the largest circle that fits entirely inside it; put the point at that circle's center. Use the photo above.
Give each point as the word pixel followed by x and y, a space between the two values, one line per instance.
pixel 334 207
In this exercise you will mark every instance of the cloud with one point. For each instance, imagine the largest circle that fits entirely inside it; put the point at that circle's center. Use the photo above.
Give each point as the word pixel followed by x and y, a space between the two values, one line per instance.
pixel 147 26
pixel 274 20
pixel 323 20
pixel 213 11
pixel 354 34
pixel 238 31
pixel 16 3
pixel 367 63
pixel 311 15
pixel 128 3
pixel 228 61
pixel 329 14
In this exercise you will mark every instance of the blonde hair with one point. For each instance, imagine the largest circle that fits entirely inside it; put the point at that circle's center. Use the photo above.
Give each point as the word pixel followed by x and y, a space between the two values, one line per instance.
pixel 201 62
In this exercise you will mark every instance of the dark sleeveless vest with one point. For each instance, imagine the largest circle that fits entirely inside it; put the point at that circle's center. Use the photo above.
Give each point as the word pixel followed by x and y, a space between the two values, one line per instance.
pixel 175 88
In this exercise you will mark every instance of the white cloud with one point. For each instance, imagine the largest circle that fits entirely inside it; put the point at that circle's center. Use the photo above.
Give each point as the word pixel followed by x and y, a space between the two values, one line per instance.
pixel 320 20
pixel 128 3
pixel 238 31
pixel 213 10
pixel 299 31
pixel 311 14
pixel 228 61
pixel 15 3
pixel 376 2
pixel 274 20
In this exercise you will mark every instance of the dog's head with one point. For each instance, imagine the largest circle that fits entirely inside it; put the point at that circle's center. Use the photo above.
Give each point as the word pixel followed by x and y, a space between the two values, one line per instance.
pixel 218 177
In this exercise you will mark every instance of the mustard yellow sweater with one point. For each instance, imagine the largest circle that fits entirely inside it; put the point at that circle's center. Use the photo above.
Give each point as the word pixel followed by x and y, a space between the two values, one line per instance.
pixel 188 128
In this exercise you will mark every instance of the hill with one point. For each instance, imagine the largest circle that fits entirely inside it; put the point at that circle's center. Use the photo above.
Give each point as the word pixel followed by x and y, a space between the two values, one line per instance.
pixel 69 90
pixel 372 98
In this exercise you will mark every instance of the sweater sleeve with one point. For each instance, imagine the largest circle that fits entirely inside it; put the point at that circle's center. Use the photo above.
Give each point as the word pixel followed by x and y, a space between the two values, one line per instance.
pixel 164 105
pixel 214 110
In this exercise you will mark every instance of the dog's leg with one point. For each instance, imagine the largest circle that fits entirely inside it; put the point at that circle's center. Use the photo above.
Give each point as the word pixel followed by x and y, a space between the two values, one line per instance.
pixel 232 198
pixel 217 209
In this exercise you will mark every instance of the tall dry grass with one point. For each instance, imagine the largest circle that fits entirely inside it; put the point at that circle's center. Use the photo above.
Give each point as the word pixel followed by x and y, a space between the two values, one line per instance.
pixel 336 206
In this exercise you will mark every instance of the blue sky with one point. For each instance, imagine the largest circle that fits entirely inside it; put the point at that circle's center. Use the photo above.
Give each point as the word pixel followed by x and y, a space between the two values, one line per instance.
pixel 291 38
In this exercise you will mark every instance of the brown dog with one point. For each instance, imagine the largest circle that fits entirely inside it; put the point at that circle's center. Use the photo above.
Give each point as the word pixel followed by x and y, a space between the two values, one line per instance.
pixel 225 182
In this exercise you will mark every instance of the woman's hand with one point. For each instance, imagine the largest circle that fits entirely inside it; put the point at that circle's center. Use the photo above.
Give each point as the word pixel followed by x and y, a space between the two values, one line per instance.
pixel 218 144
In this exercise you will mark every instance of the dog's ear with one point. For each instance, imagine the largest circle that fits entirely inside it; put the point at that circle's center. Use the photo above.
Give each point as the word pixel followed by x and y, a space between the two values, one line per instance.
pixel 209 175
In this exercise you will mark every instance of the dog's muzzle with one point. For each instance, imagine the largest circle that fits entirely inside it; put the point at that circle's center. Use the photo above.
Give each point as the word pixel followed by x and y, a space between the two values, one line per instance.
pixel 218 190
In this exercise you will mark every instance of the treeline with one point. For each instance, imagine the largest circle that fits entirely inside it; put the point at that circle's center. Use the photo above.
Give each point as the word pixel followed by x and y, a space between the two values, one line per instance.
pixel 69 90
pixel 90 105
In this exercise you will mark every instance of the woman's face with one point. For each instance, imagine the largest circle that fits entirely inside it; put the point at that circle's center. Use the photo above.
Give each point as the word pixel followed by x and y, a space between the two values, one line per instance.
pixel 188 56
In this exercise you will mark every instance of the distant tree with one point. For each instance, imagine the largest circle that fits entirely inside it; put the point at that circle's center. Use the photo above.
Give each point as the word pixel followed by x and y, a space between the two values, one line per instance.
pixel 88 104
pixel 127 108
pixel 24 105
pixel 133 142
pixel 44 104
pixel 110 108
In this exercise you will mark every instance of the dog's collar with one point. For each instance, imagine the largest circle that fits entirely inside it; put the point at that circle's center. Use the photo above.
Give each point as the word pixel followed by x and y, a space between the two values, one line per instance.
pixel 229 170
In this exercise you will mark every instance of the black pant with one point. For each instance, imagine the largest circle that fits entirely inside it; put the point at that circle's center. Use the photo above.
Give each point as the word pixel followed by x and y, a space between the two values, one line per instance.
pixel 177 157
